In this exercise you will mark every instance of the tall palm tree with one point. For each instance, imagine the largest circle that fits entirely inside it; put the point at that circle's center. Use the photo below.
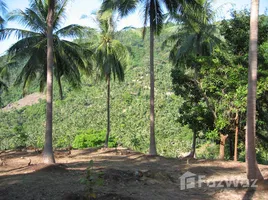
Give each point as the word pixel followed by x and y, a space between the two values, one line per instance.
pixel 153 13
pixel 253 171
pixel 111 57
pixel 48 155
pixel 33 52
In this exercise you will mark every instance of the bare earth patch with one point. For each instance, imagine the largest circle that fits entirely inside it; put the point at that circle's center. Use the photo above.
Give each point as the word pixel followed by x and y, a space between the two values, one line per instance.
pixel 127 175
pixel 28 100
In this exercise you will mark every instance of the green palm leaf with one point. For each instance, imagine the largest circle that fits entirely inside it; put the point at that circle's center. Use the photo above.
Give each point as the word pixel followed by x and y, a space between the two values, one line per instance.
pixel 196 34
pixel 30 51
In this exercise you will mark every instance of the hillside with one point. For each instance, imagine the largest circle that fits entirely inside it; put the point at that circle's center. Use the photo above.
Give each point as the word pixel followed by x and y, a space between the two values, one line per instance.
pixel 85 109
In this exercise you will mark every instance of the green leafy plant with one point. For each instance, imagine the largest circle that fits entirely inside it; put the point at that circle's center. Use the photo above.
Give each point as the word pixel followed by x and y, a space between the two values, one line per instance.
pixel 208 151
pixel 91 180
pixel 92 138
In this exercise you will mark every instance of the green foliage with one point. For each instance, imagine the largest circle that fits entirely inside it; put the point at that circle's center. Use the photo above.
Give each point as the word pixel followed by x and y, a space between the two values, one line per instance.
pixel 212 135
pixel 85 109
pixel 214 86
pixel 153 10
pixel 180 106
pixel 91 180
pixel 208 151
pixel 92 138
pixel 261 153
pixel 30 50
pixel 21 136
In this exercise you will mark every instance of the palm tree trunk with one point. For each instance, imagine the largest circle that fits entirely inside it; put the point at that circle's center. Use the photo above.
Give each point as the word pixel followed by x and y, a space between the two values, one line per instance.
pixel 152 150
pixel 253 171
pixel 48 156
pixel 108 112
pixel 60 89
pixel 236 136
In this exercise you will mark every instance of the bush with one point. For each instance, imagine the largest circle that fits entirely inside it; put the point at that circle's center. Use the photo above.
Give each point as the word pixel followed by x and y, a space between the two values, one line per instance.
pixel 208 151
pixel 261 155
pixel 92 138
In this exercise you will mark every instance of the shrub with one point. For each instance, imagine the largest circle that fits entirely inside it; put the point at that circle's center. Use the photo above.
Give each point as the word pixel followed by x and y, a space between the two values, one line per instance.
pixel 208 151
pixel 92 138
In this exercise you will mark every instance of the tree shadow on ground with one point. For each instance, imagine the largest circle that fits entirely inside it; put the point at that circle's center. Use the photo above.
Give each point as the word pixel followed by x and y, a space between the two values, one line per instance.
pixel 254 188
pixel 132 176
pixel 249 194
pixel 85 152
pixel 18 154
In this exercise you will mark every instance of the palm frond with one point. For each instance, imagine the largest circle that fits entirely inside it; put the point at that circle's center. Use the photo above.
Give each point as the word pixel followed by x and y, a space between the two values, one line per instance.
pixel 65 68
pixel 5 69
pixel 30 70
pixel 29 19
pixel 27 45
pixel 2 22
pixel 3 7
pixel 158 17
pixel 196 33
pixel 174 37
pixel 39 7
pixel 60 10
pixel 124 7
pixel 145 17
pixel 70 59
pixel 19 33
pixel 172 5
pixel 72 30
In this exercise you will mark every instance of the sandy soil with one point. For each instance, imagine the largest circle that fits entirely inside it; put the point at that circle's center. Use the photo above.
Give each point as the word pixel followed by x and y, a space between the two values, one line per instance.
pixel 125 175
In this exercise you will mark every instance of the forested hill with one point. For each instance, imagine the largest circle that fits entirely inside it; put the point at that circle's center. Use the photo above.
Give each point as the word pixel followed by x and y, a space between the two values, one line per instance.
pixel 85 109
pixel 202 94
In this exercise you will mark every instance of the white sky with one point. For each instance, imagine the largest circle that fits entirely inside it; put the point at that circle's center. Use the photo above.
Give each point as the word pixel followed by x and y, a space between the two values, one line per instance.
pixel 77 8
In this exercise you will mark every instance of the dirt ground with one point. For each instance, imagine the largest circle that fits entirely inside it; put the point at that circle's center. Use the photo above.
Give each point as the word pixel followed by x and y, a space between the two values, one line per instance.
pixel 28 100
pixel 125 174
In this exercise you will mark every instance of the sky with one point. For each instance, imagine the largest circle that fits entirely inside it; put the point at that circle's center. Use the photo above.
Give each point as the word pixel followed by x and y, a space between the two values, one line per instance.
pixel 77 8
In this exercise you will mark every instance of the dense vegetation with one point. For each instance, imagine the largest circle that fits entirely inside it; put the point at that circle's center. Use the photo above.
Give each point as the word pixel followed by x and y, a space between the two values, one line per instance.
pixel 85 109
pixel 198 95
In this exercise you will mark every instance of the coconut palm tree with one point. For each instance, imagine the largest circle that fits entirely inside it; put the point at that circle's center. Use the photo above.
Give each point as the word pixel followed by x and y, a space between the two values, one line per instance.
pixel 196 33
pixel 30 50
pixel 153 13
pixel 40 61
pixel 253 171
pixel 111 57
